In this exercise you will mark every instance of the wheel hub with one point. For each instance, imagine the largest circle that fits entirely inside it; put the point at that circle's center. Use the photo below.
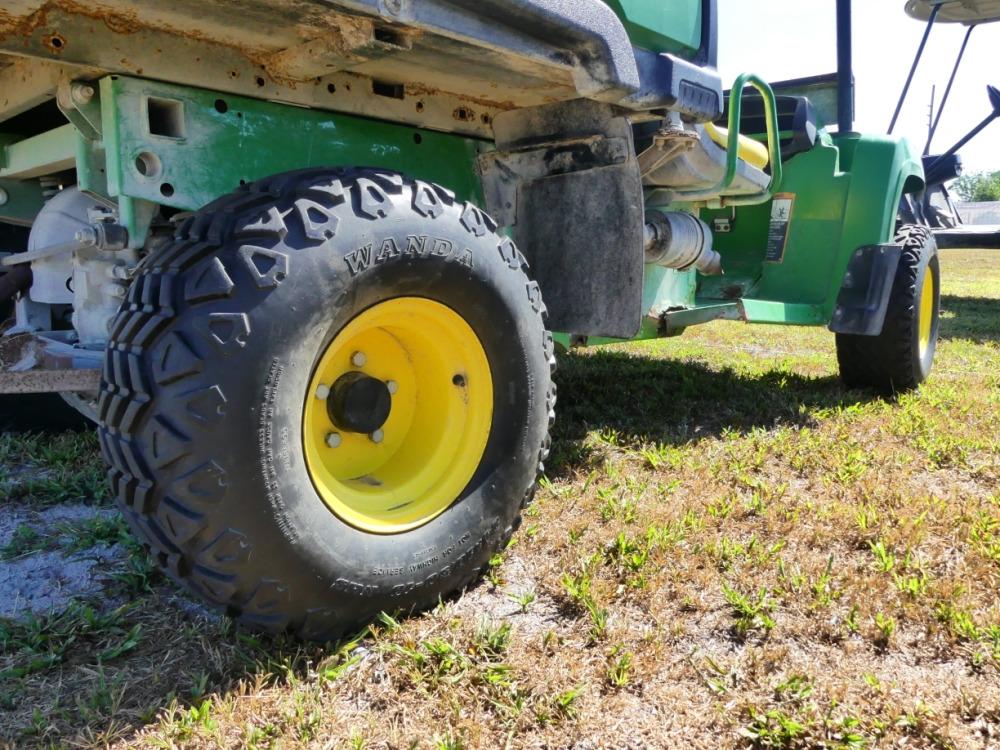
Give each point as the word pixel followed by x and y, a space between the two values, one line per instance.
pixel 359 403
pixel 397 415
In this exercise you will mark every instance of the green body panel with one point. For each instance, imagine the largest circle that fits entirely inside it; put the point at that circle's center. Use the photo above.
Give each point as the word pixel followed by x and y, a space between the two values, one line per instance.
pixel 662 25
pixel 847 190
pixel 846 196
pixel 221 142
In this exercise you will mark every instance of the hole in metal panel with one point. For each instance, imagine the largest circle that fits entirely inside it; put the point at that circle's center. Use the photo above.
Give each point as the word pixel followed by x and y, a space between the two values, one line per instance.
pixel 389 90
pixel 388 36
pixel 165 117
pixel 147 164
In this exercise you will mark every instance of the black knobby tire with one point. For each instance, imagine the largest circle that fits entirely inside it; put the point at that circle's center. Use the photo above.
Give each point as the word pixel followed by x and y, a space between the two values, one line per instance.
pixel 895 361
pixel 208 368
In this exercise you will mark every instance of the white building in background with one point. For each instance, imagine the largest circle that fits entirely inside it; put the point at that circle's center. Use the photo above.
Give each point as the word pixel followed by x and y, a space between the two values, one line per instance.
pixel 980 213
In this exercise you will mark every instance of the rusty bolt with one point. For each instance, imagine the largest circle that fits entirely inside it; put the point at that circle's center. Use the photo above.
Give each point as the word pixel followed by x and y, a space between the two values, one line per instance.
pixel 394 6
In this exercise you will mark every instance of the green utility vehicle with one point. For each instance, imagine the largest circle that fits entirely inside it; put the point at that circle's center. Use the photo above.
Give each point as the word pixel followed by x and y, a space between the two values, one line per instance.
pixel 307 262
pixel 933 207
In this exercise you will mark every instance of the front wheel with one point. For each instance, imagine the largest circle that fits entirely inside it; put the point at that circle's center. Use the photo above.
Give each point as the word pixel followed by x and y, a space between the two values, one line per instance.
pixel 901 358
pixel 329 397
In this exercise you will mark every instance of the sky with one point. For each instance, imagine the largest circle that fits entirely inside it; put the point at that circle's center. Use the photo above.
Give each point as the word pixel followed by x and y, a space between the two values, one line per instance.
pixel 782 39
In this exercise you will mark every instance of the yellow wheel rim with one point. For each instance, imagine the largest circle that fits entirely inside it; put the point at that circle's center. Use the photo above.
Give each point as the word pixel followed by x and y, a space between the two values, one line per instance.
pixel 416 465
pixel 926 320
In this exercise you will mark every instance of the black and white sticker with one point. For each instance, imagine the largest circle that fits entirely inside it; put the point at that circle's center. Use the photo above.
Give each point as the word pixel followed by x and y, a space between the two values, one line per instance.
pixel 781 219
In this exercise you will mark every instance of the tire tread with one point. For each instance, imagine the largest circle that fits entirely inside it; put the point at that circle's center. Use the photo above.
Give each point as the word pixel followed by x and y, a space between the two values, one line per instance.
pixel 203 557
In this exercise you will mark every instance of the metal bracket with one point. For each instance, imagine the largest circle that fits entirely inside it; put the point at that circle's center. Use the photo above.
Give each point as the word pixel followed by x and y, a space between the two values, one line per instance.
pixel 725 224
pixel 81 103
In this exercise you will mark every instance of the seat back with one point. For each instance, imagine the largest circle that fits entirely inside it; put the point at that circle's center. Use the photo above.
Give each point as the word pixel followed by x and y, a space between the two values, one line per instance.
pixel 797 122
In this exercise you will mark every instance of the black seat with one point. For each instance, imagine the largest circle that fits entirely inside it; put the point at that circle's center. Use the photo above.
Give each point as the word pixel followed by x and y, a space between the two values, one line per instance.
pixel 797 122
pixel 939 169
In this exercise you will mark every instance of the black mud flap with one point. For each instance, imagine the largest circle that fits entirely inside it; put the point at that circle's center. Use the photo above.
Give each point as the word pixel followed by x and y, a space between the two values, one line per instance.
pixel 566 180
pixel 864 296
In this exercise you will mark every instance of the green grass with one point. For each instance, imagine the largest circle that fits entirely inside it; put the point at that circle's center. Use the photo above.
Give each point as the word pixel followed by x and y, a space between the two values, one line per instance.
pixel 67 537
pixel 42 469
pixel 730 550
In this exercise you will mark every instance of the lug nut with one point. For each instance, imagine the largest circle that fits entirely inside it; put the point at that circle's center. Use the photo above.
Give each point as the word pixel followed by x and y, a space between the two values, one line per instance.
pixel 333 440
pixel 358 359
pixel 378 436
pixel 393 387
pixel 323 392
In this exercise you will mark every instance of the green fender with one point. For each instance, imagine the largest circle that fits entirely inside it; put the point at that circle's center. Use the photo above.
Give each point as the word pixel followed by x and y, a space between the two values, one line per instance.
pixel 883 169
pixel 846 195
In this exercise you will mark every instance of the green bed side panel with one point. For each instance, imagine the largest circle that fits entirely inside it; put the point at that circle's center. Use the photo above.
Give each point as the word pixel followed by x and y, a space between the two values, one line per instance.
pixel 845 197
pixel 203 144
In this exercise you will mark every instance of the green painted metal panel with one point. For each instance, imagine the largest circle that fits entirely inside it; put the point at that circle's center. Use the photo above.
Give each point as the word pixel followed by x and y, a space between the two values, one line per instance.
pixel 816 235
pixel 846 196
pixel 5 140
pixel 665 288
pixel 783 313
pixel 91 166
pixel 662 25
pixel 42 154
pixel 882 169
pixel 199 145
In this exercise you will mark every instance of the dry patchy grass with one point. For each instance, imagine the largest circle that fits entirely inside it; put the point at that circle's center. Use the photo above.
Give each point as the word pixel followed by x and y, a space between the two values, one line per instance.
pixel 729 551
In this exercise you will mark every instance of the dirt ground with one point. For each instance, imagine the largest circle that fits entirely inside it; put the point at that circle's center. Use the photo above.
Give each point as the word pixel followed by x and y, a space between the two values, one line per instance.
pixel 730 550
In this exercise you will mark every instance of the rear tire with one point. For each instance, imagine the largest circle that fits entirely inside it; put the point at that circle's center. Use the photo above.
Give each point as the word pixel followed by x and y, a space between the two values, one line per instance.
pixel 901 358
pixel 209 417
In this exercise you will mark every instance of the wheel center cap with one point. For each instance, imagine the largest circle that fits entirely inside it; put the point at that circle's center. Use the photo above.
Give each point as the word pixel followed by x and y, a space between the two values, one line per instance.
pixel 359 403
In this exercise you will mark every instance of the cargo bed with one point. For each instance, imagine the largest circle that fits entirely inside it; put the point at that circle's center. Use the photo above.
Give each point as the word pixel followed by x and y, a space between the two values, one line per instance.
pixel 449 66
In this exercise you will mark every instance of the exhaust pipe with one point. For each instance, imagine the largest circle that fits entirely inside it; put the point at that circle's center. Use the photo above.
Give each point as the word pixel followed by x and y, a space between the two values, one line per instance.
pixel 680 241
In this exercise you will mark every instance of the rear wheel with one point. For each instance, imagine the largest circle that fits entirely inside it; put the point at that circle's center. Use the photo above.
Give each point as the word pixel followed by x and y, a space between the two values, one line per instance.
pixel 901 358
pixel 330 397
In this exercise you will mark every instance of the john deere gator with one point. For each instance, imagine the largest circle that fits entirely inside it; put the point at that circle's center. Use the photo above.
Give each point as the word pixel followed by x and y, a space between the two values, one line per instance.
pixel 307 263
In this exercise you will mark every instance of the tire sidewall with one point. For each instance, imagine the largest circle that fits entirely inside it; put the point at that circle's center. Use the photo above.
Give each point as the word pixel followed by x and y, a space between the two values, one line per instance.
pixel 289 537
